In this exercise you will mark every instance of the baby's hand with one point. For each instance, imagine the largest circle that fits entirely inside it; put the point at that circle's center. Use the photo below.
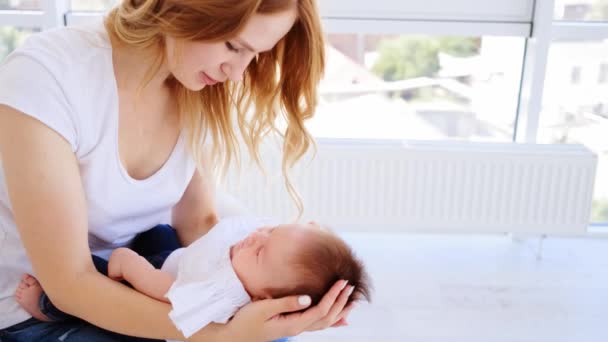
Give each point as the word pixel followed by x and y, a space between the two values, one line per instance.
pixel 119 261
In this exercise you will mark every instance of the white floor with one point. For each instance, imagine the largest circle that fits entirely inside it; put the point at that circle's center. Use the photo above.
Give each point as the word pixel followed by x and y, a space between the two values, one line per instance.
pixel 444 288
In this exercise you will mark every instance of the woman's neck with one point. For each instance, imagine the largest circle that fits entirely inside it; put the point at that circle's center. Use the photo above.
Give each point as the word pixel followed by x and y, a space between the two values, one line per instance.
pixel 131 66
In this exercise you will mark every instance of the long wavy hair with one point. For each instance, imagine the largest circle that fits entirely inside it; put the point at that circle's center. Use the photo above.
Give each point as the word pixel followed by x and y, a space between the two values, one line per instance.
pixel 280 83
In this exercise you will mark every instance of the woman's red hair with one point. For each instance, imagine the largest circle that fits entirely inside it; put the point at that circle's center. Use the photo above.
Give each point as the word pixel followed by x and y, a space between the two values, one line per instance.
pixel 279 83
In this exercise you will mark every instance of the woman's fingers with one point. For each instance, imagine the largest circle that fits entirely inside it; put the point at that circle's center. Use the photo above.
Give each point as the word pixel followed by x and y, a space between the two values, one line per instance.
pixel 331 317
pixel 340 323
pixel 299 322
pixel 334 313
pixel 321 316
pixel 344 314
pixel 314 316
pixel 264 319
pixel 285 305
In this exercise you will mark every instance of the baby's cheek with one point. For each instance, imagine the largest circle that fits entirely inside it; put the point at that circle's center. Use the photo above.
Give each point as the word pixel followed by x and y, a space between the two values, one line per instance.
pixel 244 270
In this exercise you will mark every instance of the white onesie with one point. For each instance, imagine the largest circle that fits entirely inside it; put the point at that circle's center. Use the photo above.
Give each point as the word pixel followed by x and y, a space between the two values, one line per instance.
pixel 207 288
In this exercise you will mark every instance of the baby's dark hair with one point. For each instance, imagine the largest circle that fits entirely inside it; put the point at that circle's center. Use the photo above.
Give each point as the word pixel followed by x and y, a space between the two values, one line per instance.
pixel 321 259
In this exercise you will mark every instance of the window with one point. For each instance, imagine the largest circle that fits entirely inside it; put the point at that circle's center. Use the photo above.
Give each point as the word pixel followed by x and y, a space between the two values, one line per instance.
pixel 13 34
pixel 578 112
pixel 575 75
pixel 10 38
pixel 581 10
pixel 437 69
pixel 25 5
pixel 603 74
pixel 92 5
pixel 420 87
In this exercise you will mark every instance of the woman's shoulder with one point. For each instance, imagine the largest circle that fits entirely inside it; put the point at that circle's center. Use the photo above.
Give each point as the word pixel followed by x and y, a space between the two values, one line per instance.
pixel 74 62
pixel 69 70
pixel 65 46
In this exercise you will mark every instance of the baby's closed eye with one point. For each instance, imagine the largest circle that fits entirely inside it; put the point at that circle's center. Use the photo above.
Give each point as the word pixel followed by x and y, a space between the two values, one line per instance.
pixel 258 252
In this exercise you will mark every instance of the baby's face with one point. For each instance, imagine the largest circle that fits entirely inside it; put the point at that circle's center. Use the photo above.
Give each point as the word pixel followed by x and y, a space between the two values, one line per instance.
pixel 263 259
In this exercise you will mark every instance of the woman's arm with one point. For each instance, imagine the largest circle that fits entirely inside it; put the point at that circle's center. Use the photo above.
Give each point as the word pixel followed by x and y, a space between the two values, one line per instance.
pixel 196 212
pixel 132 267
pixel 49 207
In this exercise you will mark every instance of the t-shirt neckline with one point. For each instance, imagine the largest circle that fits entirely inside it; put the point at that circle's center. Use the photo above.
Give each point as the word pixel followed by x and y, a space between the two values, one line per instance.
pixel 115 118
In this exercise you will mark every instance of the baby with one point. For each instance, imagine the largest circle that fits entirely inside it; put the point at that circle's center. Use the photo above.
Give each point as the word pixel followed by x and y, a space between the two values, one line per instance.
pixel 238 261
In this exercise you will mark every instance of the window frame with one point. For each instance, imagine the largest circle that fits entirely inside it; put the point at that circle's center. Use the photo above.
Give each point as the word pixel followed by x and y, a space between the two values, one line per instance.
pixel 531 19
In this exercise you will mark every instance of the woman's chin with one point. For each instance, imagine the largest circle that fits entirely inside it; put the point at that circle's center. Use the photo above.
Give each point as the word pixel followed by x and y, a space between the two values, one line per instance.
pixel 192 85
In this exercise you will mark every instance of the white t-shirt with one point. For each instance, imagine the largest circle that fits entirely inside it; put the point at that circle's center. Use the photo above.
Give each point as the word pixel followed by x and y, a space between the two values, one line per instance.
pixel 64 78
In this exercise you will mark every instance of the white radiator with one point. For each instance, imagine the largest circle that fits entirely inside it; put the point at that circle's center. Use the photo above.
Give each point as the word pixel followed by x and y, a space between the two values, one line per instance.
pixel 430 187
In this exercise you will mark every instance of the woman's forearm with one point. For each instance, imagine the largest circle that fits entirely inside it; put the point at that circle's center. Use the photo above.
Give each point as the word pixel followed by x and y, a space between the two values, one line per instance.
pixel 195 213
pixel 188 233
pixel 115 307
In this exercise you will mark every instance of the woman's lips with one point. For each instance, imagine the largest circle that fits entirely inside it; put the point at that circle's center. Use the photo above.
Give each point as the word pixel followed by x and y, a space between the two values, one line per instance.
pixel 207 79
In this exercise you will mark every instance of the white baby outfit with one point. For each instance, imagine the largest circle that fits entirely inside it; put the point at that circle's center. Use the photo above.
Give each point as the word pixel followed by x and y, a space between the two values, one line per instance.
pixel 207 288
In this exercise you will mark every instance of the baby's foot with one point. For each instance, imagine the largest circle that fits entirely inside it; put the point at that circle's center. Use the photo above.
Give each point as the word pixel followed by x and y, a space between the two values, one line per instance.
pixel 28 295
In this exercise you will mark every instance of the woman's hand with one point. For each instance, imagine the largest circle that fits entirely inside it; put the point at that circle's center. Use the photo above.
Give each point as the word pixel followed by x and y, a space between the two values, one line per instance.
pixel 271 319
pixel 337 314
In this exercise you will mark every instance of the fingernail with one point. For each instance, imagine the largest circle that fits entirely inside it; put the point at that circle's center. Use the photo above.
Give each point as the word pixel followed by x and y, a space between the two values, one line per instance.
pixel 304 300
pixel 352 288
pixel 344 285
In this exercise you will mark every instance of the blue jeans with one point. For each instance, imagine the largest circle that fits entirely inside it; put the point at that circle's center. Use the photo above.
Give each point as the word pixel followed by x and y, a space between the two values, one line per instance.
pixel 33 330
pixel 70 331
pixel 155 245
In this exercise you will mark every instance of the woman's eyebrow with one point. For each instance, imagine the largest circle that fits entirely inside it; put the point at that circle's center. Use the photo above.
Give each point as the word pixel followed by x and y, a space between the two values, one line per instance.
pixel 248 46
pixel 245 44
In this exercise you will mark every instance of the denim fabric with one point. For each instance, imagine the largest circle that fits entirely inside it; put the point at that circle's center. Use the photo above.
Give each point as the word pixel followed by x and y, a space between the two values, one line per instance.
pixel 73 331
pixel 33 330
pixel 160 240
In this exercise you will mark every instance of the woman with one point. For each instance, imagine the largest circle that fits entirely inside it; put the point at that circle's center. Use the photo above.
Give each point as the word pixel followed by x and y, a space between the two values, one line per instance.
pixel 101 137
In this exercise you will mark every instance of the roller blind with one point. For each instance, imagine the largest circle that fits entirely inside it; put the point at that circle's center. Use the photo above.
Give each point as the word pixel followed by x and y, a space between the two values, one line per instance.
pixel 457 10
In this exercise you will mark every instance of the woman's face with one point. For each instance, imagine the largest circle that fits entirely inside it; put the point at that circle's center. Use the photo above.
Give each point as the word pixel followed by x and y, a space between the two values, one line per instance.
pixel 196 64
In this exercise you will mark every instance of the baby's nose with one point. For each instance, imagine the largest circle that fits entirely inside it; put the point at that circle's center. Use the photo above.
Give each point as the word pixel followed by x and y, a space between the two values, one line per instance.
pixel 259 235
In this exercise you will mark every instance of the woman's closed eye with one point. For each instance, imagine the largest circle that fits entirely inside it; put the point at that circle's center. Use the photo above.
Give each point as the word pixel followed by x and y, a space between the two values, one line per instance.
pixel 232 48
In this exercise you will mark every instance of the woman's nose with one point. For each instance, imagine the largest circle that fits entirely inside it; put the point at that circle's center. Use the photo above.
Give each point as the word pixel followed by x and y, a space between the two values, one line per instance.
pixel 234 73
